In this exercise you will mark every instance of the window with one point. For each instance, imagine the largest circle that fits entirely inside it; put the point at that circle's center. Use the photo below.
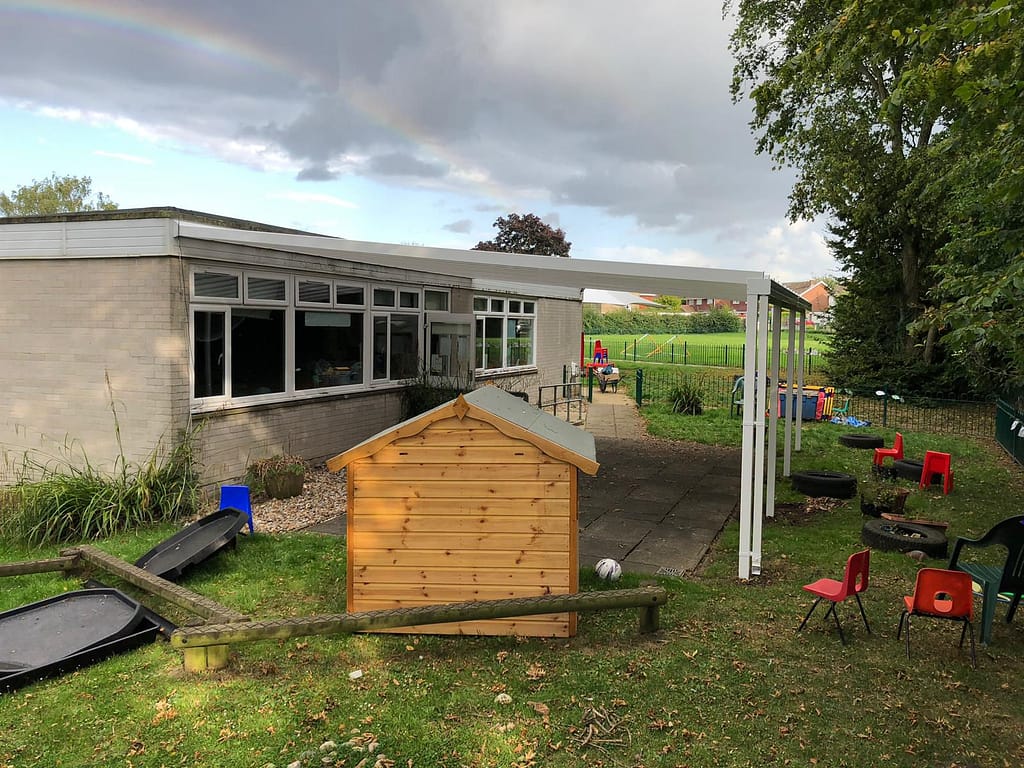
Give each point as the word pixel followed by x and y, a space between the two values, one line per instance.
pixel 505 333
pixel 328 349
pixel 275 336
pixel 395 346
pixel 215 285
pixel 435 301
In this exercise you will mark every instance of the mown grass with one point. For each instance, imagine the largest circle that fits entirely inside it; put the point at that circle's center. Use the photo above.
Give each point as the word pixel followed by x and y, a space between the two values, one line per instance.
pixel 726 682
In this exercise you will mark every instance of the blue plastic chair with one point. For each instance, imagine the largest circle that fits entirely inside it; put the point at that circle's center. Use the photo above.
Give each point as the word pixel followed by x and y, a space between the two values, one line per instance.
pixel 237 497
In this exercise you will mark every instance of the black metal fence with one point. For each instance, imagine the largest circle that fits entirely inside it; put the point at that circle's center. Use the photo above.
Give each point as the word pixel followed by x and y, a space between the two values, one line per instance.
pixel 686 353
pixel 905 412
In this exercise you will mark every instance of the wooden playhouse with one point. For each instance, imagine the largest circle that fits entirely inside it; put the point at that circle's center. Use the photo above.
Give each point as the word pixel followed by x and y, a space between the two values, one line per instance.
pixel 473 500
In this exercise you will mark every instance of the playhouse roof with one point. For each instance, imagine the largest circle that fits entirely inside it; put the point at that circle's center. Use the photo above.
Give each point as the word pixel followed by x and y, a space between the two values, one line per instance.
pixel 507 413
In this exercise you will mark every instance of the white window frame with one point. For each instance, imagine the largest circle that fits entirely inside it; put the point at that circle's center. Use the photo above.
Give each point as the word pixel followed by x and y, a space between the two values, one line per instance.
pixel 291 305
pixel 266 302
pixel 239 283
pixel 505 315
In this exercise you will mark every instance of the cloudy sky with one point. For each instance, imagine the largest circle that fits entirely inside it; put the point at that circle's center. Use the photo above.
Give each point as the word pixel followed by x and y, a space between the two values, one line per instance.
pixel 408 121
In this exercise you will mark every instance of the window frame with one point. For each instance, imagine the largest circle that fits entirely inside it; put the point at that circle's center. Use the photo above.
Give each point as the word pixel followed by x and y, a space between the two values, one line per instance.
pixel 505 315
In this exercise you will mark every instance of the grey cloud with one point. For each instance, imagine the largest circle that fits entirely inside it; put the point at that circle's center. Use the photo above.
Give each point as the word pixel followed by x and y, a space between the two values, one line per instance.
pixel 462 226
pixel 400 164
pixel 630 114
pixel 316 173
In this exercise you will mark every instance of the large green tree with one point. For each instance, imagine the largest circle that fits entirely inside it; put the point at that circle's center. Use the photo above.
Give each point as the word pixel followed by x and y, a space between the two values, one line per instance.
pixel 56 194
pixel 976 53
pixel 822 75
pixel 526 234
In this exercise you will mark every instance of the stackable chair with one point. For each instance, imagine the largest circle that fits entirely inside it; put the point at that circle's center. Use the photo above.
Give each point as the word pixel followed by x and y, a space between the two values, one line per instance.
pixel 937 463
pixel 896 452
pixel 237 497
pixel 941 594
pixel 855 581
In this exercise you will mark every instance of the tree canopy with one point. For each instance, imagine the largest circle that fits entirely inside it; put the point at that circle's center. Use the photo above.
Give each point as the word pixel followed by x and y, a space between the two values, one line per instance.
pixel 525 234
pixel 55 194
pixel 894 115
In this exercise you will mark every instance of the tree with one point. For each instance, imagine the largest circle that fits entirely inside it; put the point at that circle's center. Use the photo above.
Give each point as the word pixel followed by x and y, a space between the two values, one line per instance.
pixel 980 273
pixel 526 234
pixel 822 76
pixel 56 194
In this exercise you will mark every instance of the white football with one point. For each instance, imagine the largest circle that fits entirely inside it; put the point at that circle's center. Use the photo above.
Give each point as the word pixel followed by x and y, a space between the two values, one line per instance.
pixel 608 569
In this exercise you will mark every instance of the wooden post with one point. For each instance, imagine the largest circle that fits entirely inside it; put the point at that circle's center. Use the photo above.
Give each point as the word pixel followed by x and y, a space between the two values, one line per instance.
pixel 646 598
pixel 66 563
pixel 169 591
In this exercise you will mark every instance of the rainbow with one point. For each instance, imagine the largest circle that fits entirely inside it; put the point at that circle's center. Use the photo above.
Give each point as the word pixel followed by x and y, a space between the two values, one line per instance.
pixel 171 27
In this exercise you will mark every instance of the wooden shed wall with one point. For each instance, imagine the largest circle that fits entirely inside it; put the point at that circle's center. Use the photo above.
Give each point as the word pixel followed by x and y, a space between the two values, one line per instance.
pixel 461 512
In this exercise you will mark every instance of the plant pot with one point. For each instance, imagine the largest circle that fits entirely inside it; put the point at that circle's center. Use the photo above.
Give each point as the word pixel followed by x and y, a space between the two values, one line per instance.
pixel 283 485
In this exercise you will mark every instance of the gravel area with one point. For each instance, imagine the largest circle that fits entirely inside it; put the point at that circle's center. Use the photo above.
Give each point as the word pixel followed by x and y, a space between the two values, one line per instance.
pixel 323 497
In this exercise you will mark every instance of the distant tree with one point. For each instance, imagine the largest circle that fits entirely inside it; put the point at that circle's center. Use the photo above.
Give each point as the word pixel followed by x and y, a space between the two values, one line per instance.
pixel 526 234
pixel 56 194
pixel 673 303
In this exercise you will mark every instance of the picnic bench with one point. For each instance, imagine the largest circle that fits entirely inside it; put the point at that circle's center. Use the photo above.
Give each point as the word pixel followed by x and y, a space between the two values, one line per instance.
pixel 994 579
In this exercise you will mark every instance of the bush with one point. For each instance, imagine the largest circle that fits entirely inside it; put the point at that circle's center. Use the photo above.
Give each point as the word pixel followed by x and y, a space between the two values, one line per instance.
pixel 687 396
pixel 427 391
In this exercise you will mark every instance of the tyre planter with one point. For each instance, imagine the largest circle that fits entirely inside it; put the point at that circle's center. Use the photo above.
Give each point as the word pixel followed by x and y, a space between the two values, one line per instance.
pixel 859 440
pixel 892 536
pixel 910 469
pixel 835 485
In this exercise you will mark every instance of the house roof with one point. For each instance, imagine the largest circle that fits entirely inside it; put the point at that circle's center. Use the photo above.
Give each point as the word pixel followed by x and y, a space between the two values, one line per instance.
pixel 507 413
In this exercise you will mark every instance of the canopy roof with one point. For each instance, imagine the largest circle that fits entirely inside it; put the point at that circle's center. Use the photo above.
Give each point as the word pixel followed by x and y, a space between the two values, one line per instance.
pixel 733 284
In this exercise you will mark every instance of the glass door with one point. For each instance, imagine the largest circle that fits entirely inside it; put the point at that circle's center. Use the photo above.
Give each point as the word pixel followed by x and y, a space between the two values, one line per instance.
pixel 449 346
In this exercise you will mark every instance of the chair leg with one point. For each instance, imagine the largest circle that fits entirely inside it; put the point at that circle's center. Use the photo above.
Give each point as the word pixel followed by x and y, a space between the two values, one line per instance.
pixel 862 614
pixel 1013 607
pixel 802 623
pixel 835 615
pixel 904 616
pixel 969 626
pixel 990 594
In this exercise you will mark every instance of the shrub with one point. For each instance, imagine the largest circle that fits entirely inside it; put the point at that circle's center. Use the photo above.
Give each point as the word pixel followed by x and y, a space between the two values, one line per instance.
pixel 426 391
pixel 687 396
pixel 258 471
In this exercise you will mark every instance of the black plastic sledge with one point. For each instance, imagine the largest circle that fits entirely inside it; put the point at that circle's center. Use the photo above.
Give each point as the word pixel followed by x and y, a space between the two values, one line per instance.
pixel 194 543
pixel 59 634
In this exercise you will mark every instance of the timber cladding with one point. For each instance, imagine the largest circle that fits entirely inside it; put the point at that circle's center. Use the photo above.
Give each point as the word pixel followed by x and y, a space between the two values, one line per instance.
pixel 461 504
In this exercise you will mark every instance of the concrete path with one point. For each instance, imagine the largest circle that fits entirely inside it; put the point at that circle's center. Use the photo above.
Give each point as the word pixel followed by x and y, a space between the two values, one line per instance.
pixel 654 505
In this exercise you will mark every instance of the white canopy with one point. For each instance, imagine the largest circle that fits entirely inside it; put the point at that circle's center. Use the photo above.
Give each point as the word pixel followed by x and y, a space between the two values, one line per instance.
pixel 616 298
pixel 765 301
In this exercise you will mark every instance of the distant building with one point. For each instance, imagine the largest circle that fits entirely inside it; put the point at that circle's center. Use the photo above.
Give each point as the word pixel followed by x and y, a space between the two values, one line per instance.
pixel 821 297
pixel 613 301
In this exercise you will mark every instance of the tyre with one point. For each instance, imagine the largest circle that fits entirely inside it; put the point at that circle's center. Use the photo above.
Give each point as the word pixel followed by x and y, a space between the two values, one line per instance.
pixel 910 469
pixel 858 440
pixel 836 485
pixel 893 536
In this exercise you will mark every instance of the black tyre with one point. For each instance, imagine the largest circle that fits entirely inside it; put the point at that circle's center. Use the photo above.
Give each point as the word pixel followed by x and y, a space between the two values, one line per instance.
pixel 858 440
pixel 892 536
pixel 836 485
pixel 910 469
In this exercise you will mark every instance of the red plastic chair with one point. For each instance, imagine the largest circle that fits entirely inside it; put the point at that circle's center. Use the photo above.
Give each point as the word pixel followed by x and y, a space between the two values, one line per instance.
pixel 855 581
pixel 941 594
pixel 896 451
pixel 937 463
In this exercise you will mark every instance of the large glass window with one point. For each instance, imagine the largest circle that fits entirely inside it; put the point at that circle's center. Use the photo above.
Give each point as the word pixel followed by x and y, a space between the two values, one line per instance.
pixel 396 346
pixel 261 333
pixel 208 359
pixel 257 351
pixel 328 349
pixel 505 333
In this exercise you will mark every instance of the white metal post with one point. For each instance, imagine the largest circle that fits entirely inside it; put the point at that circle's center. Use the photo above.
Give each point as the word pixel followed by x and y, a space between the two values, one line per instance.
pixel 773 408
pixel 760 406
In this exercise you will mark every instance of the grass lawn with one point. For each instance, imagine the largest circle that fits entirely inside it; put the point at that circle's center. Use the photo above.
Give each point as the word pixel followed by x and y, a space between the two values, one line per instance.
pixel 615 342
pixel 726 682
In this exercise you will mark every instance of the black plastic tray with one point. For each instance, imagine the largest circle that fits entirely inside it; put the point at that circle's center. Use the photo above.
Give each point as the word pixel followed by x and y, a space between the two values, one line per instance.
pixel 194 543
pixel 72 630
